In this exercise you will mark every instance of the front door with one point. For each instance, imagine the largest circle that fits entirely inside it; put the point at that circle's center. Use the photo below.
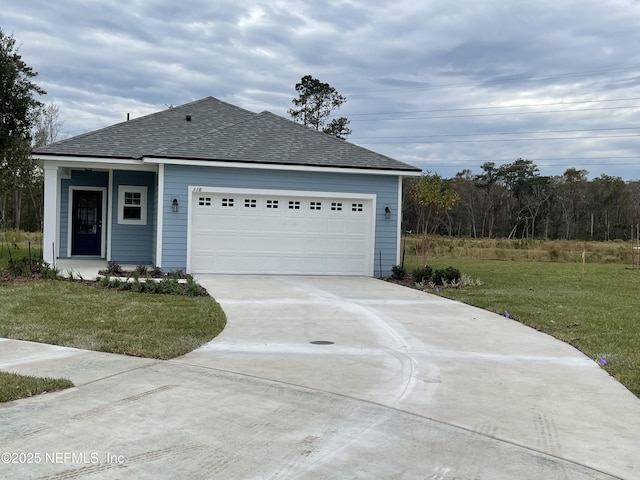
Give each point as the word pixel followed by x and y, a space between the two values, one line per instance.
pixel 86 228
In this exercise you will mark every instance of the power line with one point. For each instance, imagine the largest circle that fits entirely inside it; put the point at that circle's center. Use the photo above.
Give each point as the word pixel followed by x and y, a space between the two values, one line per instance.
pixel 496 114
pixel 503 140
pixel 578 102
pixel 533 132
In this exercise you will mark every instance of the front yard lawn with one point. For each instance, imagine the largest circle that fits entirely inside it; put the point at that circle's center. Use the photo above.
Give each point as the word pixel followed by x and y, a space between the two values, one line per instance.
pixel 14 386
pixel 76 315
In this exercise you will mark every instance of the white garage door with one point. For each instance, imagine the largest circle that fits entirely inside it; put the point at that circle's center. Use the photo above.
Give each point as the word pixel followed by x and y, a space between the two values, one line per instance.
pixel 281 233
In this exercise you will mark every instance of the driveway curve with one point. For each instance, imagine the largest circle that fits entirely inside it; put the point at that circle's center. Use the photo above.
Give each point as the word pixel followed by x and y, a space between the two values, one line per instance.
pixel 329 377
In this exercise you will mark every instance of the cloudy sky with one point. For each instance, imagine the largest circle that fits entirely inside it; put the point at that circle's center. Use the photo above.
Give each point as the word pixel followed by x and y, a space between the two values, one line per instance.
pixel 443 85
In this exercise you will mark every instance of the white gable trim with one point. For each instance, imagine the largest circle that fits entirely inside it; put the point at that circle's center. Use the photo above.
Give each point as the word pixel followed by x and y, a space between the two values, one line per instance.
pixel 97 163
pixel 275 166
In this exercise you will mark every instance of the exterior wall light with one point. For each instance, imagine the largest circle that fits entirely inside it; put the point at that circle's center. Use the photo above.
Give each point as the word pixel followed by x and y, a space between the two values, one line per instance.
pixel 387 212
pixel 174 205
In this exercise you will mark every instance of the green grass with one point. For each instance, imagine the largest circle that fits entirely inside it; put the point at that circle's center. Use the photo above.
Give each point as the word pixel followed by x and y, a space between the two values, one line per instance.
pixel 76 315
pixel 14 386
pixel 8 252
pixel 592 307
pixel 540 250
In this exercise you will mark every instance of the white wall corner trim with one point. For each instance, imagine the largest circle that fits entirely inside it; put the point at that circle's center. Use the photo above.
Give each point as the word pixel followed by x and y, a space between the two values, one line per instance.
pixel 160 215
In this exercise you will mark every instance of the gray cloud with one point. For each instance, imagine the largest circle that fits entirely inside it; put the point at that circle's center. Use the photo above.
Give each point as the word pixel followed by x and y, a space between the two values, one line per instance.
pixel 473 74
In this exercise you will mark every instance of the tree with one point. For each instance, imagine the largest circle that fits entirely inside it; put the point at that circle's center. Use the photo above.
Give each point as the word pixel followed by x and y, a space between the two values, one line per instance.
pixel 435 196
pixel 338 128
pixel 47 126
pixel 315 102
pixel 18 112
pixel 571 195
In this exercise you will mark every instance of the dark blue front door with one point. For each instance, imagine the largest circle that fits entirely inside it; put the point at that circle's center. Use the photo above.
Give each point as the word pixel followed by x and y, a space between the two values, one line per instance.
pixel 86 228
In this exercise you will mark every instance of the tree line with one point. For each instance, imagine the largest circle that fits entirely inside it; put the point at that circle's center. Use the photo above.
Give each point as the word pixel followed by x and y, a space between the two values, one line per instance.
pixel 515 201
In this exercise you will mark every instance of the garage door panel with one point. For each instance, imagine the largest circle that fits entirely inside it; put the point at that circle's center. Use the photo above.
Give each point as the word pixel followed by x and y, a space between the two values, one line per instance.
pixel 253 233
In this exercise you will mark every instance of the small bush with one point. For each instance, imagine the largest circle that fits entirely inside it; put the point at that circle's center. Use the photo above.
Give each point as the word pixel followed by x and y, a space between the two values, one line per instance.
pixel 398 272
pixel 423 274
pixel 192 288
pixel 169 286
pixel 115 269
pixel 142 270
pixel 449 275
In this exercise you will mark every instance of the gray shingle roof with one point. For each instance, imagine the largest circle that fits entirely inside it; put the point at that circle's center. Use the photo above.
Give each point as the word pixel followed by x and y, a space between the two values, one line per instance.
pixel 221 132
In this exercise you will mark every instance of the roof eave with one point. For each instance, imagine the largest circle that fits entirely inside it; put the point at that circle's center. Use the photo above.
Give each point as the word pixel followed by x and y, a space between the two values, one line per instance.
pixel 414 172
pixel 46 157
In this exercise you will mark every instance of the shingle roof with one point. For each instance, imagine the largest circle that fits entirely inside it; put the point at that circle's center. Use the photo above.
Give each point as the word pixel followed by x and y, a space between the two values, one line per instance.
pixel 221 132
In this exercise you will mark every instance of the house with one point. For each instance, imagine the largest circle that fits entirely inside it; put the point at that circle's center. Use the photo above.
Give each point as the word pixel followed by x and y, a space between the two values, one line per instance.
pixel 209 187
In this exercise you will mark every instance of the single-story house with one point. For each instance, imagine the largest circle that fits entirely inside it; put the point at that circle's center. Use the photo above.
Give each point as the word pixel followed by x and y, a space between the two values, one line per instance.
pixel 209 187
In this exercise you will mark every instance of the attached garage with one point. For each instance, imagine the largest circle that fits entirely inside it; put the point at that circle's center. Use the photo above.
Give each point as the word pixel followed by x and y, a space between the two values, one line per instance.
pixel 281 232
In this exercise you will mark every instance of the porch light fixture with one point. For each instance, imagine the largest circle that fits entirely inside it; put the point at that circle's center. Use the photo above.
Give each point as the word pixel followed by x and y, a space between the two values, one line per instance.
pixel 174 205
pixel 387 213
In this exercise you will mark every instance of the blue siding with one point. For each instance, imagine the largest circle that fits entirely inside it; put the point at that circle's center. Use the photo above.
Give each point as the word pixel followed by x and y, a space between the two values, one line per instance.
pixel 179 178
pixel 79 178
pixel 133 243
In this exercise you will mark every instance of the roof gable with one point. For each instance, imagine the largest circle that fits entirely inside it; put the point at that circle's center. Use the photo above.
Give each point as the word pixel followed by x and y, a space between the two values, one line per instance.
pixel 140 136
pixel 221 132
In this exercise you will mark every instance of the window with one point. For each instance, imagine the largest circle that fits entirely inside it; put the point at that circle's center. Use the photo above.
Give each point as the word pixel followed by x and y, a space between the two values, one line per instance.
pixel 132 205
pixel 227 202
pixel 294 205
pixel 248 203
pixel 272 203
pixel 356 207
pixel 204 201
pixel 315 205
pixel 336 206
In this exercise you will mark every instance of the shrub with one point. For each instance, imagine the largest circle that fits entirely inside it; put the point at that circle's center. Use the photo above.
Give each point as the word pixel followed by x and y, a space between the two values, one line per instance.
pixel 448 275
pixel 398 272
pixel 105 280
pixel 115 269
pixel 168 286
pixel 142 270
pixel 423 274
pixel 192 288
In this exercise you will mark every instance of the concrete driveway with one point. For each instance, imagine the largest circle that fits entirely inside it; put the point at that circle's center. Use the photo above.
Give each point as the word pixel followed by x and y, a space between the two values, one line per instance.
pixel 413 386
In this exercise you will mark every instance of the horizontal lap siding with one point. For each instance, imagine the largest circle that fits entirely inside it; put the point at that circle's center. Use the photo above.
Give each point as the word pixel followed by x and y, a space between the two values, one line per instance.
pixel 178 179
pixel 133 243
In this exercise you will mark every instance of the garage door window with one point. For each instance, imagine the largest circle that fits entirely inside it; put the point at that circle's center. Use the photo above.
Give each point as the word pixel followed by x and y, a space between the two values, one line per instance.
pixel 294 205
pixel 315 206
pixel 356 207
pixel 272 203
pixel 249 203
pixel 132 205
pixel 227 202
pixel 336 207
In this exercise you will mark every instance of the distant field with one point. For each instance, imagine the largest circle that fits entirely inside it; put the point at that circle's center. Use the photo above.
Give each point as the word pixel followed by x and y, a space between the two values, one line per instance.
pixel 593 306
pixel 616 251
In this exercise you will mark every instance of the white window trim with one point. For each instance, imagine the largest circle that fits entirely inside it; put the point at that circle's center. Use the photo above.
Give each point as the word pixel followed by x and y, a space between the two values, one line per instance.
pixel 122 189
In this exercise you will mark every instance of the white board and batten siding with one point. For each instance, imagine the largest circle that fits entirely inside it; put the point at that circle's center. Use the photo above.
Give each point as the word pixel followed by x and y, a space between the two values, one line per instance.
pixel 255 231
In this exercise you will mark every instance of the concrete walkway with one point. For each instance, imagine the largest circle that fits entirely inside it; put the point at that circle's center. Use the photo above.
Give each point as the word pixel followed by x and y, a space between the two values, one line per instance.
pixel 413 386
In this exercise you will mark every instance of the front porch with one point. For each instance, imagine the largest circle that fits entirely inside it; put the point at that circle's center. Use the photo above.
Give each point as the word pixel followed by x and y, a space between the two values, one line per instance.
pixel 103 213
